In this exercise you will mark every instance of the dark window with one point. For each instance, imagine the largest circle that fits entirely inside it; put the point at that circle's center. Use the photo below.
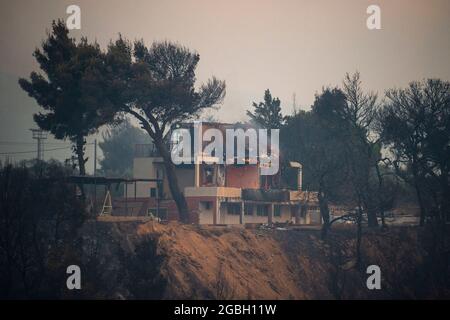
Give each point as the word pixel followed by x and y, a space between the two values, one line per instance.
pixel 208 176
pixel 152 192
pixel 277 211
pixel 294 210
pixel 234 208
pixel 262 210
pixel 207 205
pixel 248 209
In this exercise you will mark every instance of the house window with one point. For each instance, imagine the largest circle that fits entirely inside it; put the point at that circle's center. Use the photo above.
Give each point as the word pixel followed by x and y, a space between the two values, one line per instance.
pixel 152 192
pixel 248 209
pixel 277 211
pixel 205 205
pixel 294 210
pixel 234 208
pixel 208 176
pixel 262 210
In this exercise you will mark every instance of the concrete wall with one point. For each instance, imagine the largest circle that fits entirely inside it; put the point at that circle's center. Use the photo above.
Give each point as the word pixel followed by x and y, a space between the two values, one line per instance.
pixel 245 177
pixel 226 217
pixel 142 189
pixel 145 167
pixel 285 214
pixel 206 216
pixel 314 215
pixel 253 217
pixel 212 192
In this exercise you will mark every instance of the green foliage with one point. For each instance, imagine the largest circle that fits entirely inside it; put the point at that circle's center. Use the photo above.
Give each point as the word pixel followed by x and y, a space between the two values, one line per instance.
pixel 315 138
pixel 70 89
pixel 334 141
pixel 267 114
pixel 118 149
pixel 157 85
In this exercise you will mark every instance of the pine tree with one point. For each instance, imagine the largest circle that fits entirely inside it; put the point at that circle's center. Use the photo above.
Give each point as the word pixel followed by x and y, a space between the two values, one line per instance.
pixel 156 85
pixel 267 114
pixel 70 89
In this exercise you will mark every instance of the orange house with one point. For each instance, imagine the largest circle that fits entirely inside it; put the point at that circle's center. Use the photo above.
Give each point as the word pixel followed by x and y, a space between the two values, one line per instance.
pixel 220 193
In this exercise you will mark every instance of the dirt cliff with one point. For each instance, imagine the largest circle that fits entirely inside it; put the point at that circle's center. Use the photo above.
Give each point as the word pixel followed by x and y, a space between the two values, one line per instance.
pixel 152 260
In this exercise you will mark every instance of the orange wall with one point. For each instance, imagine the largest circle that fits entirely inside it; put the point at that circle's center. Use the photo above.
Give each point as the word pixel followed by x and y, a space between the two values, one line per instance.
pixel 246 176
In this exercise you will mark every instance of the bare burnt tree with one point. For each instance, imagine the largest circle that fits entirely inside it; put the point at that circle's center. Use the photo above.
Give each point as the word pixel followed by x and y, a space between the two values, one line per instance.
pixel 39 218
pixel 415 125
pixel 364 145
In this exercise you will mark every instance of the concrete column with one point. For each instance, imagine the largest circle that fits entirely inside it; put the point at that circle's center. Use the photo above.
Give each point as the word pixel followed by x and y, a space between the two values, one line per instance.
pixel 271 209
pixel 298 214
pixel 198 150
pixel 197 174
pixel 241 218
pixel 300 178
pixel 307 216
pixel 216 217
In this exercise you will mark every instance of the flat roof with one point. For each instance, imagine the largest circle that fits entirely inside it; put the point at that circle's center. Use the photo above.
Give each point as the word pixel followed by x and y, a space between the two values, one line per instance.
pixel 106 180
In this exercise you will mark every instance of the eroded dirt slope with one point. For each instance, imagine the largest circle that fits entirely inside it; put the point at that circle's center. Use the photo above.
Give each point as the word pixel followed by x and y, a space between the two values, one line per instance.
pixel 195 262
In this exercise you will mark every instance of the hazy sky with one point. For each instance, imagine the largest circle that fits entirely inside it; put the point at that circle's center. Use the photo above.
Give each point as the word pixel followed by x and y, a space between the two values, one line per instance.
pixel 286 45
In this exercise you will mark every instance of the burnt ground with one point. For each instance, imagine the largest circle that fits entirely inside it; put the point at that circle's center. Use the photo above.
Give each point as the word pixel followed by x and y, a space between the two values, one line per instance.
pixel 136 259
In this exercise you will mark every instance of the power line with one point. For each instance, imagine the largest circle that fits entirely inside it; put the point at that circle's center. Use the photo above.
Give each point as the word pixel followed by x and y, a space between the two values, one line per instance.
pixel 39 135
pixel 31 143
pixel 60 148
pixel 20 152
pixel 27 142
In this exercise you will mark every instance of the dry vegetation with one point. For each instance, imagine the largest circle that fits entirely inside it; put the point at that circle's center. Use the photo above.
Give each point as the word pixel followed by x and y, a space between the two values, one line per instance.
pixel 204 262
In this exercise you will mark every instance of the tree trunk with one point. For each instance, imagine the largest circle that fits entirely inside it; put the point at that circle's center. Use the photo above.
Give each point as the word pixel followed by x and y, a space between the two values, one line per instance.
pixel 177 195
pixel 421 205
pixel 80 155
pixel 380 198
pixel 445 196
pixel 372 220
pixel 79 150
pixel 419 194
pixel 367 204
pixel 324 212
pixel 359 236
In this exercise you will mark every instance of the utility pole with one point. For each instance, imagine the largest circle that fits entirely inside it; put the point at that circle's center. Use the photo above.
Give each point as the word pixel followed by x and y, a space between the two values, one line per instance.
pixel 294 103
pixel 95 174
pixel 40 136
pixel 95 157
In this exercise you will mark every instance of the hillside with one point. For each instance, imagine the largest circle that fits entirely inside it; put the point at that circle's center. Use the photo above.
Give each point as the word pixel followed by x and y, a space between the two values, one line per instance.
pixel 152 260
